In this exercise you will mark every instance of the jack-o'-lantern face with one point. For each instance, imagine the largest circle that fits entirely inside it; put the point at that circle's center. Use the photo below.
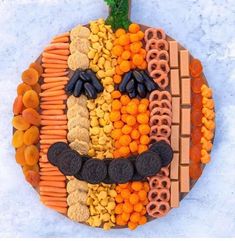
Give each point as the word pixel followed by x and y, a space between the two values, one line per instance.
pixel 113 127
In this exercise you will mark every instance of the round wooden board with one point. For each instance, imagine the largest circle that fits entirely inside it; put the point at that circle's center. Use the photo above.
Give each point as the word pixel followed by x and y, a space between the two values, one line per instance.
pixel 192 182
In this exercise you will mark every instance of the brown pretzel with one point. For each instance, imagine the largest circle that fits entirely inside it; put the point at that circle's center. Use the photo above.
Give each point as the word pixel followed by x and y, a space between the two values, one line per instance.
pixel 152 44
pixel 162 194
pixel 160 103
pixel 163 55
pixel 160 78
pixel 160 111
pixel 157 209
pixel 159 181
pixel 163 130
pixel 154 33
pixel 158 64
pixel 160 120
pixel 160 95
pixel 158 55
pixel 164 172
pixel 158 138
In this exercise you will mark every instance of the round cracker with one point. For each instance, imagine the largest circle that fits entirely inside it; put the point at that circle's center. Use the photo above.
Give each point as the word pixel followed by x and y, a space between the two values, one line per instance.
pixel 81 147
pixel 81 45
pixel 79 32
pixel 78 60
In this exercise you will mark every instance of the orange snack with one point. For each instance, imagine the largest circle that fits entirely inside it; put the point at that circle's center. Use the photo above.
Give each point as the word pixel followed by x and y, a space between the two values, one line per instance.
pixel 37 67
pixel 30 76
pixel 134 28
pixel 30 99
pixel 22 88
pixel 18 105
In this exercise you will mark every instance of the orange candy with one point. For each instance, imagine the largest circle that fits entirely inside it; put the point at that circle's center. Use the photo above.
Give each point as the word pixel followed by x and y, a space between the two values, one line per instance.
pixel 132 108
pixel 125 66
pixel 134 28
pixel 130 120
pixel 124 40
pixel 125 140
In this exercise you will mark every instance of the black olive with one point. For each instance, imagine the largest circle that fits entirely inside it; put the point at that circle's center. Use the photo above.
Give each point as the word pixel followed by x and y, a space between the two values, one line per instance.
pixel 78 88
pixel 125 81
pixel 130 86
pixel 141 90
pixel 148 82
pixel 133 93
pixel 94 81
pixel 83 76
pixel 72 82
pixel 138 76
pixel 90 91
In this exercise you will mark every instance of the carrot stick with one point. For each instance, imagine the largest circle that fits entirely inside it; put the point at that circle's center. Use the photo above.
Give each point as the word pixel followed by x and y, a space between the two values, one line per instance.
pixel 66 34
pixel 46 198
pixel 48 169
pixel 58 117
pixel 56 203
pixel 62 127
pixel 53 102
pixel 52 112
pixel 51 184
pixel 53 61
pixel 52 178
pixel 54 70
pixel 64 52
pixel 57 46
pixel 52 189
pixel 59 74
pixel 50 137
pixel 54 56
pixel 52 141
pixel 52 93
pixel 53 194
pixel 53 84
pixel 61 210
pixel 55 66
pixel 44 165
pixel 53 122
pixel 51 173
pixel 60 40
pixel 49 98
pixel 44 151
pixel 52 107
pixel 56 79
pixel 52 132
pixel 60 87
pixel 44 146
pixel 42 160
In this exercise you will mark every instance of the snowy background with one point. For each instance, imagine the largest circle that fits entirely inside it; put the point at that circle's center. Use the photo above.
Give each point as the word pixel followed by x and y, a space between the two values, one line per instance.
pixel 206 28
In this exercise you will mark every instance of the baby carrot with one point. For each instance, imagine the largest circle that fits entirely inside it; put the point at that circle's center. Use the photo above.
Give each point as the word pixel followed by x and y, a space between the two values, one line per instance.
pixel 53 102
pixel 52 184
pixel 64 52
pixel 45 165
pixel 57 46
pixel 44 146
pixel 59 74
pixel 59 87
pixel 55 66
pixel 56 79
pixel 53 132
pixel 53 194
pixel 54 127
pixel 54 70
pixel 52 112
pixel 48 169
pixel 53 122
pixel 46 198
pixel 61 210
pixel 52 107
pixel 49 98
pixel 66 34
pixel 52 189
pixel 53 178
pixel 53 84
pixel 58 117
pixel 53 61
pixel 52 141
pixel 50 137
pixel 56 203
pixel 54 56
pixel 60 40
pixel 52 93
pixel 52 173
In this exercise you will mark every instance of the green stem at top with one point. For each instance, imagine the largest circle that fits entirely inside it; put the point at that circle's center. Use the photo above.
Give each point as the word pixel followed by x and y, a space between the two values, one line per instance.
pixel 119 13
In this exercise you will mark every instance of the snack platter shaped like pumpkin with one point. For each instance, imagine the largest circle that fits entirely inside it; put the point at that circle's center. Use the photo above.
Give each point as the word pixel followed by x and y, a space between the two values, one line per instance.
pixel 114 122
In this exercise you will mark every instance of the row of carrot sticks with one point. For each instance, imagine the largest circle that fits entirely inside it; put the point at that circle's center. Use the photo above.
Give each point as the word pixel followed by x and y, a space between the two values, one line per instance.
pixel 53 98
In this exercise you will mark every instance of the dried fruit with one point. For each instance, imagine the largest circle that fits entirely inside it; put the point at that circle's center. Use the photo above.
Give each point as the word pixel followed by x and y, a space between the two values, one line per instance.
pixel 31 136
pixel 22 88
pixel 17 139
pixel 18 105
pixel 30 99
pixel 30 76
pixel 32 177
pixel 19 123
pixel 31 155
pixel 19 155
pixel 31 116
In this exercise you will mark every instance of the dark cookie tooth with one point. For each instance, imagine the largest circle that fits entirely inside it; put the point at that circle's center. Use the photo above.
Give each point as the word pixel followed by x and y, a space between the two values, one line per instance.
pixel 84 77
pixel 54 151
pixel 78 88
pixel 94 171
pixel 72 82
pixel 120 170
pixel 138 76
pixel 94 81
pixel 130 86
pixel 141 90
pixel 125 80
pixel 90 91
pixel 70 162
pixel 164 150
pixel 148 82
pixel 148 163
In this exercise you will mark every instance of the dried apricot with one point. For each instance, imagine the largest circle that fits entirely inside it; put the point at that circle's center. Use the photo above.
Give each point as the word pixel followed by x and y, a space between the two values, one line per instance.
pixel 197 101
pixel 31 116
pixel 196 117
pixel 195 68
pixel 195 153
pixel 33 178
pixel 195 170
pixel 26 168
pixel 31 155
pixel 19 155
pixel 196 135
pixel 19 123
pixel 17 139
pixel 37 88
pixel 37 67
pixel 30 99
pixel 197 84
pixel 22 88
pixel 18 105
pixel 31 136
pixel 30 76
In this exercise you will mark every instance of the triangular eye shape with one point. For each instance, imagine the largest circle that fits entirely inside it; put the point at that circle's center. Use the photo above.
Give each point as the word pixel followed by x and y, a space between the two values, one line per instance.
pixel 114 122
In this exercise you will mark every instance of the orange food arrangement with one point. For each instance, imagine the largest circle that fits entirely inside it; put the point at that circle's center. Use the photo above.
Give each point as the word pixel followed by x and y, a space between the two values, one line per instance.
pixel 114 123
